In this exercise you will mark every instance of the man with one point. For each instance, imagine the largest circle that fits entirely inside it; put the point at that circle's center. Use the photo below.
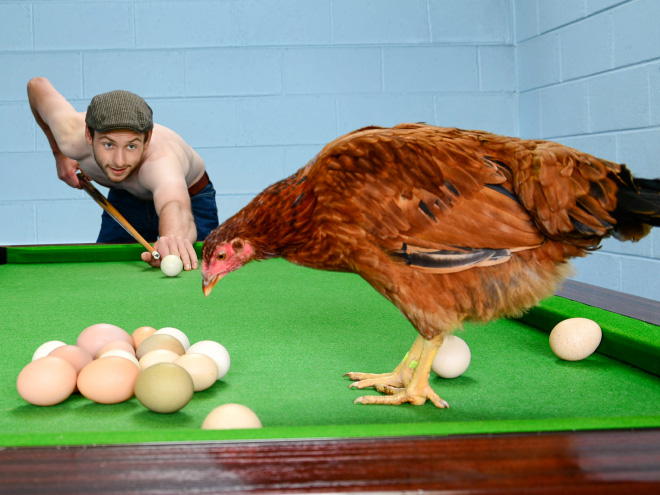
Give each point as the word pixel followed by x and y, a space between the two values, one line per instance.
pixel 156 180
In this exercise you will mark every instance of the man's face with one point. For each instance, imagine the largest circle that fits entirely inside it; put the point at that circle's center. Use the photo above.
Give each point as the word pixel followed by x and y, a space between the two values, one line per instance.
pixel 118 153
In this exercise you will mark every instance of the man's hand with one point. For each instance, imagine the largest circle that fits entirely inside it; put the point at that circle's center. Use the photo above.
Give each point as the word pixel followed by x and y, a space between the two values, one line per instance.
pixel 177 246
pixel 66 170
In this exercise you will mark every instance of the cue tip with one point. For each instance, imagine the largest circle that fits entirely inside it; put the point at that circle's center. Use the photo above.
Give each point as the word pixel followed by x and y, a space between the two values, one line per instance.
pixel 155 255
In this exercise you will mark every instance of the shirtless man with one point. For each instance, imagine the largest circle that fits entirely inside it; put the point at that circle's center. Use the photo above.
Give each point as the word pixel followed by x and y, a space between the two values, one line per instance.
pixel 156 180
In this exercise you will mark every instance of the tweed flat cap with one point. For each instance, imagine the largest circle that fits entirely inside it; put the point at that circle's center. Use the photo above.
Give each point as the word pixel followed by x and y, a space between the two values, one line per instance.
pixel 119 110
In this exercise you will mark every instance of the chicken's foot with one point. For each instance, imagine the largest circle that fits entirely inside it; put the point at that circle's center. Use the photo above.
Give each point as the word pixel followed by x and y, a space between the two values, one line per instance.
pixel 409 382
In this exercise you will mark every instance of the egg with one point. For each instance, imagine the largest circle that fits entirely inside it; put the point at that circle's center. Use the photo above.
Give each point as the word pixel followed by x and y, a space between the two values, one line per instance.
pixel 108 380
pixel 159 342
pixel 117 344
pixel 158 356
pixel 44 349
pixel 231 416
pixel 141 334
pixel 96 336
pixel 122 354
pixel 46 381
pixel 215 351
pixel 164 388
pixel 201 368
pixel 76 356
pixel 453 358
pixel 575 338
pixel 177 334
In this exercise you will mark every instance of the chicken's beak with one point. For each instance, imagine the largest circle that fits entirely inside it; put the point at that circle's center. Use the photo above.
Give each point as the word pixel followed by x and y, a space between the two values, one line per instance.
pixel 208 282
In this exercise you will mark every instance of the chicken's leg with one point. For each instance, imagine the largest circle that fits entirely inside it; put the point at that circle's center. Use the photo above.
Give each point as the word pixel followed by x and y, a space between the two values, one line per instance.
pixel 409 382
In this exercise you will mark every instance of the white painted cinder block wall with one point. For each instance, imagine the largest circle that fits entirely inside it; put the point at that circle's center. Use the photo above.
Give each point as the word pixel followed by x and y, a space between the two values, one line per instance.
pixel 259 86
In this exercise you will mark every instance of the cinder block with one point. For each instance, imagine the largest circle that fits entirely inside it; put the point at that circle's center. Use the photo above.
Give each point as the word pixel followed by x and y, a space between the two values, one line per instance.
pixel 529 114
pixel 282 22
pixel 62 69
pixel 430 69
pixel 18 220
pixel 643 248
pixel 654 80
pixel 594 6
pixel 600 269
pixel 497 68
pixel 586 47
pixel 565 110
pixel 233 72
pixel 636 33
pixel 83 25
pixel 18 127
pixel 286 120
pixel 63 222
pixel 15 26
pixel 32 177
pixel 619 100
pixel 600 145
pixel 244 170
pixel 640 277
pixel 354 111
pixel 296 157
pixel 526 20
pixel 202 122
pixel 641 151
pixel 160 72
pixel 471 21
pixel 332 70
pixel 487 112
pixel 539 62
pixel 556 13
pixel 184 24
pixel 230 204
pixel 380 21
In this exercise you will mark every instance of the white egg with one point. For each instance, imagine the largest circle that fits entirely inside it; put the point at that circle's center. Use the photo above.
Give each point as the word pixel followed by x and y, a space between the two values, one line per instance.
pixel 177 334
pixel 44 349
pixel 121 353
pixel 171 265
pixel 575 338
pixel 215 351
pixel 452 359
pixel 231 416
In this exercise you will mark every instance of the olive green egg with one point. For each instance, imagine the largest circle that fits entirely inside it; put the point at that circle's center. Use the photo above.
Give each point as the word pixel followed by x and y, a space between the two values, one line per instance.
pixel 164 388
pixel 159 341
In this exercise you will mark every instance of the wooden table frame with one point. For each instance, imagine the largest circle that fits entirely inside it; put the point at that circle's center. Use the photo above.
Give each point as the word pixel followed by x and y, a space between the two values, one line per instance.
pixel 587 462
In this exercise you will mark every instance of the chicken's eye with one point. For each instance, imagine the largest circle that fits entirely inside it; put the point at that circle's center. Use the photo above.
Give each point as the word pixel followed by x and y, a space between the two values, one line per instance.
pixel 221 256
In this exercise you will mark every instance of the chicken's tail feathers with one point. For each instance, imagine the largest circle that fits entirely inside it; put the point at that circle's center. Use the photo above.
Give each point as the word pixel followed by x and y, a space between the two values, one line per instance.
pixel 638 206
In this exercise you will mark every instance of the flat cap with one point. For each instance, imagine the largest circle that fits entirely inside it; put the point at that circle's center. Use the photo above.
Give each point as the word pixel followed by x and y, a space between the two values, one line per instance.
pixel 119 110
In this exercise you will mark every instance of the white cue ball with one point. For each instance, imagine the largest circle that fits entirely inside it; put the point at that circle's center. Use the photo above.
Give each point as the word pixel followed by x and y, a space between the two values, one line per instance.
pixel 171 265
pixel 452 359
pixel 575 339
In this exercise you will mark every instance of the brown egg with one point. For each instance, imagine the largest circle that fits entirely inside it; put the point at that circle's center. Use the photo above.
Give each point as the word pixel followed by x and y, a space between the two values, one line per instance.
pixel 76 356
pixel 108 380
pixel 46 381
pixel 160 341
pixel 96 336
pixel 121 345
pixel 201 368
pixel 141 334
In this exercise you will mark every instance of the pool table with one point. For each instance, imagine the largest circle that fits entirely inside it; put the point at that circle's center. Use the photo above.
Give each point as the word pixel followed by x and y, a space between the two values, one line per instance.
pixel 520 419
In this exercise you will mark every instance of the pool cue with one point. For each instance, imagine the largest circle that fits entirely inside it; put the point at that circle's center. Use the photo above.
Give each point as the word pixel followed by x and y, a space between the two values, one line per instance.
pixel 112 211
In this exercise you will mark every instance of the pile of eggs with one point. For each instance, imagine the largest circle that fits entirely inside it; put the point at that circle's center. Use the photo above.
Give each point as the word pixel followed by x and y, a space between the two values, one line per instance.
pixel 108 365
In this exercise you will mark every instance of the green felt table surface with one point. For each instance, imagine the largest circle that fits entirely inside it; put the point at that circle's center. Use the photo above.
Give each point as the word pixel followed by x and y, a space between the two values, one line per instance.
pixel 292 333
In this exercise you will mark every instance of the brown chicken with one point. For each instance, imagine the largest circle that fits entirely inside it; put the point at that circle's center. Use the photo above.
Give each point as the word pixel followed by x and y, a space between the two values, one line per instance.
pixel 449 225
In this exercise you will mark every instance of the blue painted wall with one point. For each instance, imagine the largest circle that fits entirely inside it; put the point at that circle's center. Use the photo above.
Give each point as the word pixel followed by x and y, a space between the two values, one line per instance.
pixel 259 86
